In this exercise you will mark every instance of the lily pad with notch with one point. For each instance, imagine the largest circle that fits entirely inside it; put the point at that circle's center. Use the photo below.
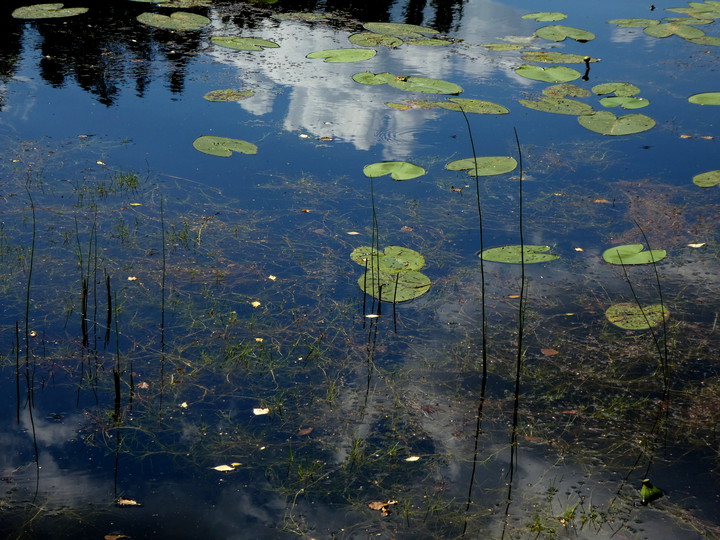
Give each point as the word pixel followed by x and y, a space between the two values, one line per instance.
pixel 620 89
pixel 179 20
pixel 396 287
pixel 630 316
pixel 477 106
pixel 664 30
pixel 517 254
pixel 552 74
pixel 399 29
pixel 633 254
pixel 557 105
pixel 559 32
pixel 606 123
pixel 398 170
pixel 625 102
pixel 545 16
pixel 391 260
pixel 484 166
pixel 47 11
pixel 634 23
pixel 243 43
pixel 223 146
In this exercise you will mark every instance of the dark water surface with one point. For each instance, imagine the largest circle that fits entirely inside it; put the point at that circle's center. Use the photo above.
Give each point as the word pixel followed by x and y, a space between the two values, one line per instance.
pixel 165 312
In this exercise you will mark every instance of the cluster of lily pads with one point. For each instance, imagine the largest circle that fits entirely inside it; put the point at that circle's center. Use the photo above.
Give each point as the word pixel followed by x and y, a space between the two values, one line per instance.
pixel 391 274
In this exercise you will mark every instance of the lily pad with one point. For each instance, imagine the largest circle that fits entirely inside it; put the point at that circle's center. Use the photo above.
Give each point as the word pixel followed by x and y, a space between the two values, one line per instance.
pixel 343 55
pixel 301 16
pixel 477 106
pixel 553 74
pixel 371 39
pixel 395 288
pixel 566 90
pixel 559 32
pixel 427 42
pixel 223 146
pixel 392 259
pixel 634 23
pixel 398 29
pixel 517 254
pixel 557 105
pixel 373 79
pixel 243 43
pixel 606 123
pixel 545 16
pixel 554 57
pixel 664 30
pixel 398 170
pixel 633 254
pixel 626 102
pixel 707 179
pixel 503 46
pixel 617 88
pixel 179 20
pixel 705 98
pixel 47 11
pixel 425 85
pixel 228 94
pixel 713 41
pixel 484 166
pixel 630 316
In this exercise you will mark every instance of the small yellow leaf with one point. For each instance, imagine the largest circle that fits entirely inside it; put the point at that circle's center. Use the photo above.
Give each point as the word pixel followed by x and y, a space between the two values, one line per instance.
pixel 259 339
pixel 259 411
pixel 123 501
pixel 513 296
pixel 135 204
pixel 696 245
pixel 353 233
pixel 236 464
pixel 272 278
pixel 223 468
pixel 255 304
pixel 578 249
pixel 412 458
pixel 184 405
pixel 372 316
pixel 101 162
pixel 132 278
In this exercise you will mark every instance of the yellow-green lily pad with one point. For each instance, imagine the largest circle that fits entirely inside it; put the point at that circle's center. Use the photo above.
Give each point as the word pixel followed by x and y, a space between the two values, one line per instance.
pixel 398 170
pixel 606 123
pixel 552 74
pixel 705 98
pixel 398 29
pixel 484 166
pixel 633 254
pixel 372 39
pixel 707 179
pixel 395 287
pixel 243 43
pixel 47 11
pixel 626 102
pixel 559 32
pixel 343 55
pixel 228 94
pixel 630 316
pixel 518 254
pixel 223 146
pixel 179 20
pixel 557 105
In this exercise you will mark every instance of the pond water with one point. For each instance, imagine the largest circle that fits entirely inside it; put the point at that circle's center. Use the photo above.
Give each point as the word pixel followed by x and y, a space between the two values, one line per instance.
pixel 189 349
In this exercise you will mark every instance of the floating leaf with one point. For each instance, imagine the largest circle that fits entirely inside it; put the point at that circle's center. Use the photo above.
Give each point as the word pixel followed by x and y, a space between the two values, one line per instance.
pixel 425 85
pixel 223 468
pixel 553 57
pixel 223 146
pixel 566 90
pixel 559 32
pixel 398 170
pixel 516 254
pixel 243 43
pixel 373 79
pixel 228 94
pixel 392 259
pixel 179 20
pixel 47 11
pixel 545 16
pixel 617 88
pixel 483 166
pixel 371 39
pixel 648 492
pixel 713 41
pixel 394 287
pixel 427 42
pixel 343 55
pixel 705 98
pixel 633 254
pixel 707 179
pixel 301 16
pixel 634 23
pixel 398 29
pixel 260 411
pixel 503 46
pixel 477 106
pixel 664 30
pixel 553 74
pixel 630 316
pixel 606 123
pixel 125 501
pixel 626 102
pixel 557 105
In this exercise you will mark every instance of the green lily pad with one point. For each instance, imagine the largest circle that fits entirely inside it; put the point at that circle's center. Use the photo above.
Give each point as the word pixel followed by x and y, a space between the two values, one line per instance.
pixel 391 260
pixel 545 16
pixel 688 20
pixel 398 29
pixel 343 55
pixel 630 316
pixel 427 42
pixel 301 16
pixel 634 23
pixel 223 146
pixel 633 254
pixel 179 20
pixel 559 32
pixel 503 46
pixel 425 85
pixel 395 288
pixel 371 39
pixel 552 74
pixel 228 94
pixel 618 88
pixel 707 179
pixel 178 4
pixel 517 254
pixel 398 170
pixel 553 57
pixel 713 41
pixel 243 43
pixel 664 30
pixel 414 104
pixel 606 123
pixel 373 79
pixel 649 493
pixel 47 11
pixel 557 105
pixel 476 106
pixel 565 90
pixel 626 102
pixel 705 98
pixel 484 166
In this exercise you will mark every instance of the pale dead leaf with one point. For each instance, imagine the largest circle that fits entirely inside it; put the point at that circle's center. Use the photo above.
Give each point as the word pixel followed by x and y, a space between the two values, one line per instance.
pixel 259 339
pixel 135 204
pixel 258 411
pixel 578 249
pixel 236 464
pixel 223 468
pixel 699 245
pixel 405 228
pixel 353 233
pixel 184 405
pixel 132 278
pixel 143 385
pixel 412 458
pixel 115 536
pixel 124 501
pixel 372 316
pixel 255 304
pixel 272 278
pixel 305 431
pixel 101 163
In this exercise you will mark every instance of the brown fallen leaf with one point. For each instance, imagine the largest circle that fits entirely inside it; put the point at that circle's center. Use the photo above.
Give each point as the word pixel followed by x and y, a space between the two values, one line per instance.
pixel 549 352
pixel 405 228
pixel 115 536
pixel 382 506
pixel 124 501
pixel 304 431
pixel 601 201
pixel 455 189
